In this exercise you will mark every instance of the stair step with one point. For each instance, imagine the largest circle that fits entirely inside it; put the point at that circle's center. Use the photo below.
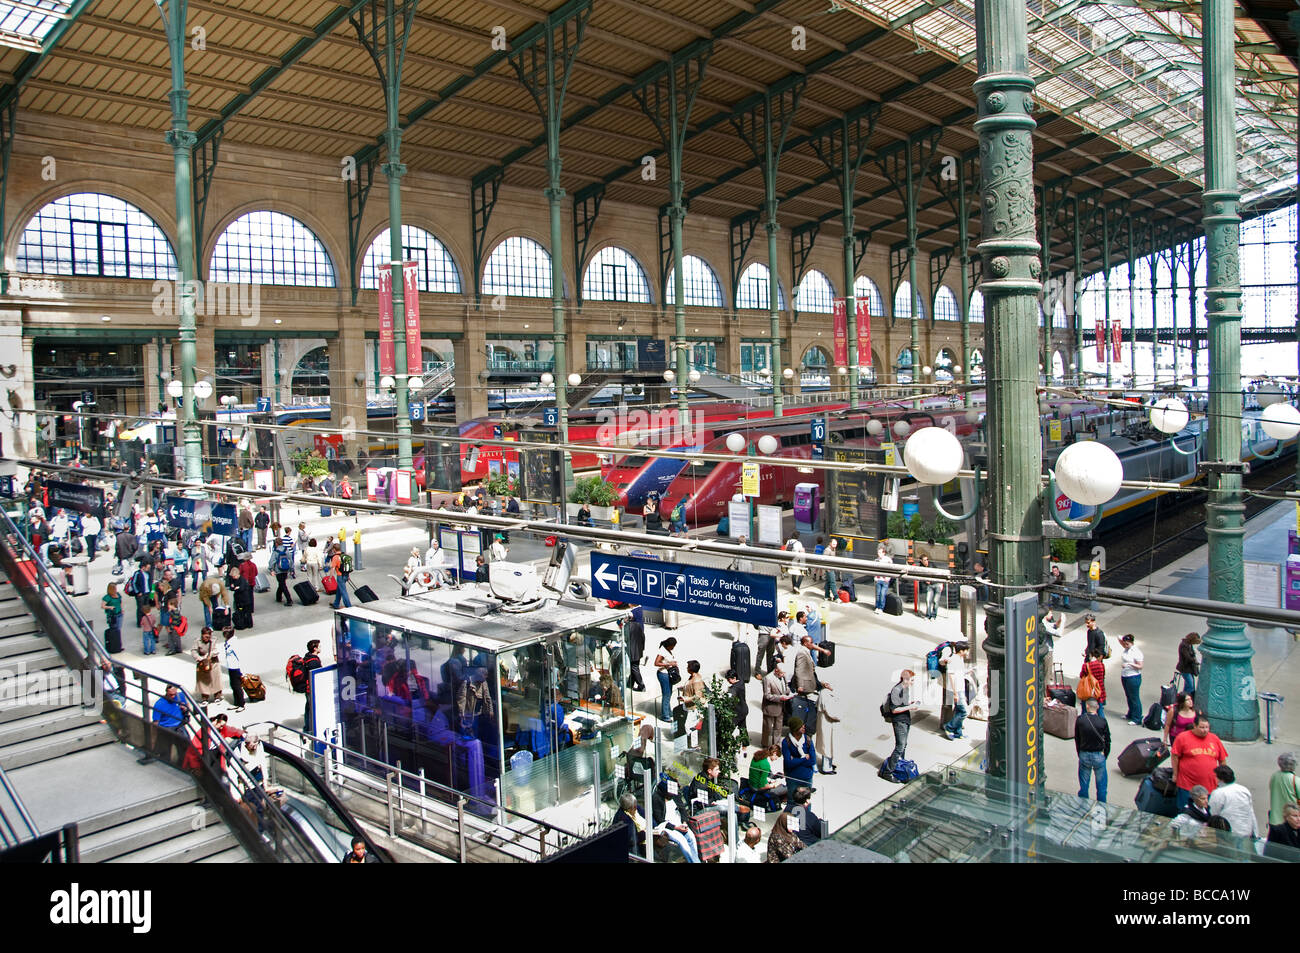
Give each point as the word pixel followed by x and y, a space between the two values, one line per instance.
pixel 131 812
pixel 17 643
pixel 145 832
pixel 37 661
pixel 19 624
pixel 233 855
pixel 15 705
pixel 37 750
pixel 45 724
pixel 185 849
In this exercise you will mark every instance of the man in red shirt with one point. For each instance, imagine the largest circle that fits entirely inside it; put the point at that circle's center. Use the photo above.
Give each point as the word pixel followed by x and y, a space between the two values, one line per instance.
pixel 1196 754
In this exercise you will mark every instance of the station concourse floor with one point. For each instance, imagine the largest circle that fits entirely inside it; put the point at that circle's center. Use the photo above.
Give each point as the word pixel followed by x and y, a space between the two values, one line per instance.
pixel 871 650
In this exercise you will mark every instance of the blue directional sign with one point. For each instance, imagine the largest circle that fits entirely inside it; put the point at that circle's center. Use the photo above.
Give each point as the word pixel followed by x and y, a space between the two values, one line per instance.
pixel 263 405
pixel 700 590
pixel 416 410
pixel 184 513
pixel 818 452
pixel 818 428
pixel 551 416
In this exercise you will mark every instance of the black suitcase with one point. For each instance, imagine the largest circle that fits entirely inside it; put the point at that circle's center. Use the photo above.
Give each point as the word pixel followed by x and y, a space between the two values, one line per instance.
pixel 365 594
pixel 1162 779
pixel 113 640
pixel 306 593
pixel 741 661
pixel 1149 799
pixel 804 709
pixel 1141 757
pixel 893 604
pixel 823 660
pixel 220 618
pixel 243 619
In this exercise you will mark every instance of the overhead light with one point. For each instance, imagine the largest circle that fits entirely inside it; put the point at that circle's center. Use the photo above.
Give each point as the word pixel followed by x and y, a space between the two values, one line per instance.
pixel 106 317
pixel 279 321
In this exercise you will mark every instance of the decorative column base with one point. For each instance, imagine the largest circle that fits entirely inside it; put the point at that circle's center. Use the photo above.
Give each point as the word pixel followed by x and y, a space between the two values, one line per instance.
pixel 1226 687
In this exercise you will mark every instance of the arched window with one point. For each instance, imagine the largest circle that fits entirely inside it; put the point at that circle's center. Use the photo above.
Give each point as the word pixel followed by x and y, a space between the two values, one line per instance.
pixel 520 267
pixel 614 275
pixel 943 364
pixel 815 295
pixel 271 248
pixel 311 375
pixel 700 285
pixel 945 305
pixel 1059 317
pixel 816 358
pixel 905 300
pixel 1058 366
pixel 753 291
pixel 976 366
pixel 437 270
pixel 903 368
pixel 95 234
pixel 976 307
pixel 864 287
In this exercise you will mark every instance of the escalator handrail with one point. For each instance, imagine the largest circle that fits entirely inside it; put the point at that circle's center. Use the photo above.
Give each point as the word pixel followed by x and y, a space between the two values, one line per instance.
pixel 330 798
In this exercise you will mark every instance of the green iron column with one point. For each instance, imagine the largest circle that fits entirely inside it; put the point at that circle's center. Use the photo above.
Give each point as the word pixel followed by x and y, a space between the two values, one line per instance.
pixel 1227 685
pixel 914 304
pixel 1155 319
pixel 394 170
pixel 963 237
pixel 1132 314
pixel 681 361
pixel 1076 292
pixel 174 15
pixel 1191 310
pixel 1105 277
pixel 774 302
pixel 1009 253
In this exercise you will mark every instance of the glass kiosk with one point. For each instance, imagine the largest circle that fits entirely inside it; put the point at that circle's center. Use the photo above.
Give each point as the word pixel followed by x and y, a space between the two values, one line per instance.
pixel 516 708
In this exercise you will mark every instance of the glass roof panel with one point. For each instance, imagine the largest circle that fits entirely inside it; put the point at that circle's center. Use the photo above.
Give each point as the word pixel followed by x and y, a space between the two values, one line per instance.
pixel 24 24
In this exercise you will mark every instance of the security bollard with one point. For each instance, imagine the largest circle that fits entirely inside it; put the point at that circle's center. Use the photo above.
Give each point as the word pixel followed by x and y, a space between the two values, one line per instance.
pixel 356 550
pixel 1269 699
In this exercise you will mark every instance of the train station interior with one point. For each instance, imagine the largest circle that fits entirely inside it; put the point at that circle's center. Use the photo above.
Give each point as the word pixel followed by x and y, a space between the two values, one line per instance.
pixel 921 323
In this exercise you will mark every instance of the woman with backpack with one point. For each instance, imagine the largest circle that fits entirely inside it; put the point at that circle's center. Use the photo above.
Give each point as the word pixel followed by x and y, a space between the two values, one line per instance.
pixel 1093 668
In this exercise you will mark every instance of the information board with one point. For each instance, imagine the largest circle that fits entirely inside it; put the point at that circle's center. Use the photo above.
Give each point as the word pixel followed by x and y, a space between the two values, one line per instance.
pixel 540 480
pixel 853 498
pixel 1263 584
pixel 769 524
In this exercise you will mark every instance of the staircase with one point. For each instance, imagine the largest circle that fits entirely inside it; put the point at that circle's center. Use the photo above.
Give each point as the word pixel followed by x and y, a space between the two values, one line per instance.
pixel 67 767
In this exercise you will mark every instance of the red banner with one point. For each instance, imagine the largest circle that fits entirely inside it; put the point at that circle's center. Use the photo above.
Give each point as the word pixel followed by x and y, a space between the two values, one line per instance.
pixel 1101 340
pixel 1116 333
pixel 841 334
pixel 387 352
pixel 864 332
pixel 411 297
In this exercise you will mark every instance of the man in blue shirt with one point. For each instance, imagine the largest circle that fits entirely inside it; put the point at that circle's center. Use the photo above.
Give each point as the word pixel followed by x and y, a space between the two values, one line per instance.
pixel 167 738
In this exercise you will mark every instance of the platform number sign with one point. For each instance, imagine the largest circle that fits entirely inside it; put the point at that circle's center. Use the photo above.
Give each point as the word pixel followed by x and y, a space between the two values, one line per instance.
pixel 551 416
pixel 263 405
pixel 818 430
pixel 416 410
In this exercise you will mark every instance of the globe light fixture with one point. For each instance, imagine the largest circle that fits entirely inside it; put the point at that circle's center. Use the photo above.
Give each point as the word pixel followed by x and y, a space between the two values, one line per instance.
pixel 575 380
pixel 1169 415
pixel 414 383
pixel 768 445
pixel 841 370
pixel 1280 421
pixel 387 382
pixel 875 428
pixel 1269 394
pixel 933 456
pixel 956 368
pixel 927 370
pixel 736 442
pixel 693 377
pixel 175 388
pixel 902 428
pixel 202 389
pixel 737 498
pixel 1089 473
pixel 669 376
pixel 788 373
pixel 548 379
pixel 972 416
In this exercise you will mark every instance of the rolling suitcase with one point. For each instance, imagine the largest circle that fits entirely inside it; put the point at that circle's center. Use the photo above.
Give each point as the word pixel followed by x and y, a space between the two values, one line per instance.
pixel 306 593
pixel 826 661
pixel 263 583
pixel 1058 688
pixel 1058 720
pixel 365 594
pixel 220 618
pixel 893 604
pixel 1141 757
pixel 1162 779
pixel 1150 799
pixel 243 619
pixel 847 583
pixel 254 688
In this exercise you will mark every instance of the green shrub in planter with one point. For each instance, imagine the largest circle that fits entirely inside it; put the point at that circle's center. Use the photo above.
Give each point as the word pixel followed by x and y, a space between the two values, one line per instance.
pixel 595 491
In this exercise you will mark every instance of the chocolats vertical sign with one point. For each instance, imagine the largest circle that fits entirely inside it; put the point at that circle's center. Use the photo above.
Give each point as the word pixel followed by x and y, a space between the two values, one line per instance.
pixel 76 496
pixel 1023 695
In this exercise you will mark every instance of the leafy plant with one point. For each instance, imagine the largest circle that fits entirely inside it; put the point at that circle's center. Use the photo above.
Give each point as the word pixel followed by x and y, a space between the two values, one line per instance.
pixel 499 484
pixel 729 741
pixel 309 463
pixel 594 491
pixel 896 526
pixel 1066 550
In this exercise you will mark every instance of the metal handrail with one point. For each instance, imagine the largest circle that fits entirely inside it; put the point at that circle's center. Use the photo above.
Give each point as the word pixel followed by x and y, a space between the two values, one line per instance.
pixel 308 743
pixel 14 835
pixel 82 650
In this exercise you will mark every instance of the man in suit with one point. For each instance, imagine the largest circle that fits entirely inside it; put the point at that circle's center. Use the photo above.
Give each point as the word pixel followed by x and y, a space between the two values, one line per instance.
pixel 775 694
pixel 805 680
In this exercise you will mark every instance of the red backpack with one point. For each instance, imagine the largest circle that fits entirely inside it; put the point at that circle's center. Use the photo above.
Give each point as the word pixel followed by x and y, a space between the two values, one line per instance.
pixel 295 670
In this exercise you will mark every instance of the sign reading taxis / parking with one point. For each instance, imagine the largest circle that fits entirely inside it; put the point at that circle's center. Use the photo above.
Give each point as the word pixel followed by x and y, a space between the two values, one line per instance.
pixel 700 590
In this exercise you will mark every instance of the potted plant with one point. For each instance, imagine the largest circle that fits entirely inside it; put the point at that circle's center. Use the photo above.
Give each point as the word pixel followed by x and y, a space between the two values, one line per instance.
pixel 309 463
pixel 897 528
pixel 728 741
pixel 597 493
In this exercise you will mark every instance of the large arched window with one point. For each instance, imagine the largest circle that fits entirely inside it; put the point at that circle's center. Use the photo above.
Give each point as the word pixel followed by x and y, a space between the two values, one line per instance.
pixel 944 362
pixel 753 291
pixel 945 305
pixel 520 267
pixel 271 248
pixel 815 294
pixel 976 374
pixel 976 311
pixel 311 375
pixel 614 275
pixel 864 287
pixel 700 285
pixel 437 270
pixel 905 300
pixel 95 234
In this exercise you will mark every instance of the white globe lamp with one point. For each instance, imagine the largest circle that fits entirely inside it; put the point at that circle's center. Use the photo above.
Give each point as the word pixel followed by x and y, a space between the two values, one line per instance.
pixel 933 456
pixel 768 445
pixel 669 376
pixel 202 389
pixel 387 382
pixel 972 416
pixel 1280 421
pixel 735 442
pixel 548 379
pixel 575 380
pixel 693 377
pixel 175 388
pixel 1089 473
pixel 1169 415
pixel 902 428
pixel 875 428
pixel 414 383
pixel 841 370
pixel 1269 394
pixel 927 370
pixel 788 373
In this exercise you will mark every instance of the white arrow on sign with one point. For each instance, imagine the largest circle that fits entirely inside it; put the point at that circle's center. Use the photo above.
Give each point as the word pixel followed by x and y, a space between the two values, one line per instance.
pixel 175 512
pixel 606 579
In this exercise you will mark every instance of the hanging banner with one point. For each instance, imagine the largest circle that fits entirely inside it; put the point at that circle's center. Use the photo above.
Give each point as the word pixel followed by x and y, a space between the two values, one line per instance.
pixel 841 334
pixel 863 312
pixel 411 297
pixel 1101 341
pixel 1116 333
pixel 387 352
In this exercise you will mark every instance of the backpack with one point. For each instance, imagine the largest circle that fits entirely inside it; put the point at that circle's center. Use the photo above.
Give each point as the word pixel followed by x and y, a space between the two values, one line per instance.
pixel 345 563
pixel 285 563
pixel 296 671
pixel 133 587
pixel 934 662
pixel 886 709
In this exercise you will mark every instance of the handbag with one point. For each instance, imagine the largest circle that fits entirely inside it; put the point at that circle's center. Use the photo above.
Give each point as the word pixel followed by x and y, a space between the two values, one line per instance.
pixel 205 664
pixel 674 674
pixel 1088 687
